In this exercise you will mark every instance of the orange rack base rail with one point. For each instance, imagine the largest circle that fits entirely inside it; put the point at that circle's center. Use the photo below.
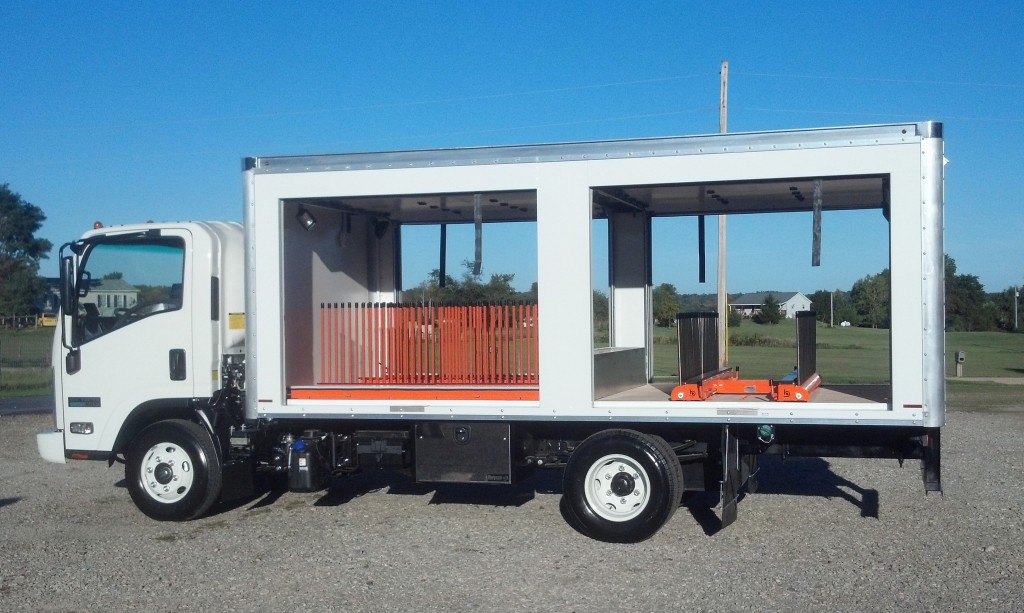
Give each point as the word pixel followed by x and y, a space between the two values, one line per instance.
pixel 414 393
pixel 727 381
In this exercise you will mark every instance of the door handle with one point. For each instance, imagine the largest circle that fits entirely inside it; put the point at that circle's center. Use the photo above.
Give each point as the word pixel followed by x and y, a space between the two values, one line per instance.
pixel 176 362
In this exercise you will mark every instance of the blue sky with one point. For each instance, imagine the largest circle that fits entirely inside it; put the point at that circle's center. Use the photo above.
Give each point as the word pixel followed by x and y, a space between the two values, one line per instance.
pixel 124 112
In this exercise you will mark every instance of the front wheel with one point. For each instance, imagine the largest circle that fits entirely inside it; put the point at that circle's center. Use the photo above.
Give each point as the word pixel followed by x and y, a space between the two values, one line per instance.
pixel 172 470
pixel 622 486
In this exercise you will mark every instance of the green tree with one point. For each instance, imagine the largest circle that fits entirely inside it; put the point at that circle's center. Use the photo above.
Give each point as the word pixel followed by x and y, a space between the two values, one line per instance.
pixel 833 307
pixel 771 311
pixel 665 303
pixel 967 306
pixel 1002 304
pixel 600 309
pixel 870 296
pixel 20 252
pixel 735 320
pixel 469 289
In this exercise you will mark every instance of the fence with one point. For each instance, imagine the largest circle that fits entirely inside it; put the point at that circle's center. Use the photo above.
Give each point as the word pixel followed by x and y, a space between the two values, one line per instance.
pixel 19 321
pixel 397 344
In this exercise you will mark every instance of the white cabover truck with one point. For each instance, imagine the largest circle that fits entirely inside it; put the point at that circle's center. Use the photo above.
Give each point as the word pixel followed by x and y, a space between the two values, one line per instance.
pixel 201 354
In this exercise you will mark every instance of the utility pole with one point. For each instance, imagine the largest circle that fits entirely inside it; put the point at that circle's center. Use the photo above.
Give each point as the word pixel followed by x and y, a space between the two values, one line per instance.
pixel 723 297
pixel 1016 298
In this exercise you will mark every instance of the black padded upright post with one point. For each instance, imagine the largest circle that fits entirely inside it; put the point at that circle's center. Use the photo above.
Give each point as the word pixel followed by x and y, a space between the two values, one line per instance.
pixel 698 344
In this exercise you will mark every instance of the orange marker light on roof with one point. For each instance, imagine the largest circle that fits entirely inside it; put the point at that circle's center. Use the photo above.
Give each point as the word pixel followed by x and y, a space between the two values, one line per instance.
pixel 96 225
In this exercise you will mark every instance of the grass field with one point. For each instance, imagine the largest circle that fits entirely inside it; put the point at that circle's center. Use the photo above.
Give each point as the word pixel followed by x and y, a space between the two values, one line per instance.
pixel 845 355
pixel 861 355
pixel 25 361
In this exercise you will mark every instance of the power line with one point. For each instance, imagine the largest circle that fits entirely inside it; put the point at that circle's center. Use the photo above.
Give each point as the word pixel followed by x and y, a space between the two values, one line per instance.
pixel 381 106
pixel 882 80
pixel 917 116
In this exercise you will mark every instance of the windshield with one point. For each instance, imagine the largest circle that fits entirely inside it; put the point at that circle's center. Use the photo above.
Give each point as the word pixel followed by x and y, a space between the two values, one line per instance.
pixel 123 282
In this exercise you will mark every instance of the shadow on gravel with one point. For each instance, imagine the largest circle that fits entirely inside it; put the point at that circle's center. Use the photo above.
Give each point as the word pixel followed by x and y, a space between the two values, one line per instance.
pixel 347 489
pixel 6 501
pixel 792 477
pixel 813 477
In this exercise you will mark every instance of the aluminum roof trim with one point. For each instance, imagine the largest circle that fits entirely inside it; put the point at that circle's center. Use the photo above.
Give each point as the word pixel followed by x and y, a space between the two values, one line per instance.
pixel 737 142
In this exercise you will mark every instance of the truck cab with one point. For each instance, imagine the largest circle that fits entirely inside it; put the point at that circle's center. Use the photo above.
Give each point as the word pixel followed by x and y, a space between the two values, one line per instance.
pixel 148 314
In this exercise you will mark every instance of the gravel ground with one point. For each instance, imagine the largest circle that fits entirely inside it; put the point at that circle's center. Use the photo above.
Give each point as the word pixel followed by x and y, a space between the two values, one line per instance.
pixel 852 535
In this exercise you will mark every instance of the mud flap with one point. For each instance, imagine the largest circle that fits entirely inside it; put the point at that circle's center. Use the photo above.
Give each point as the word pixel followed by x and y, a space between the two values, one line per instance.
pixel 737 470
pixel 931 460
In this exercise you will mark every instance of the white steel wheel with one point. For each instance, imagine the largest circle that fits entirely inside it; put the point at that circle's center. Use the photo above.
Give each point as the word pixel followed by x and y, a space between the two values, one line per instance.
pixel 621 486
pixel 167 472
pixel 618 488
pixel 173 471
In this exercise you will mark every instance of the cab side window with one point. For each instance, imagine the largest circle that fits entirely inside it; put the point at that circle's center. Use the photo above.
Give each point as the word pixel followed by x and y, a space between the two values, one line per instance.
pixel 124 282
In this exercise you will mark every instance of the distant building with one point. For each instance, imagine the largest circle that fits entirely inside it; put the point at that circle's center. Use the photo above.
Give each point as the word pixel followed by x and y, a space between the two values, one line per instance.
pixel 111 296
pixel 790 303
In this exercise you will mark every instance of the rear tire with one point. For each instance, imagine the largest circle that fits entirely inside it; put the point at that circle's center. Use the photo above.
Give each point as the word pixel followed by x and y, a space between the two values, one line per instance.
pixel 621 486
pixel 172 470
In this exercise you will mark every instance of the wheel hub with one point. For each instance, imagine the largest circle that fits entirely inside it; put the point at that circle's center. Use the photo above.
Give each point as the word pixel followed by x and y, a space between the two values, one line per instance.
pixel 623 484
pixel 618 488
pixel 167 474
pixel 163 473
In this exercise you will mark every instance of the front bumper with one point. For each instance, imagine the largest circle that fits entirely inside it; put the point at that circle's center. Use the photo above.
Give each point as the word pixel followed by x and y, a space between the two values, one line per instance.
pixel 51 446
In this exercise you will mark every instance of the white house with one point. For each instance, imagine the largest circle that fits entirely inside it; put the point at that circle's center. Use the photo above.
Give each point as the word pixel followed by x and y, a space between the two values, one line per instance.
pixel 790 303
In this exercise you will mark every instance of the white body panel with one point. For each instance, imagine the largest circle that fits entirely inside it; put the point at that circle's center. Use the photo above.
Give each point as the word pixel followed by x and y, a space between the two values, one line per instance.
pixel 909 157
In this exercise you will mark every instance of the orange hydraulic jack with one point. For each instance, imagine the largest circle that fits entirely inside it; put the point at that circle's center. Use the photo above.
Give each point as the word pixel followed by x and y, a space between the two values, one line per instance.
pixel 727 381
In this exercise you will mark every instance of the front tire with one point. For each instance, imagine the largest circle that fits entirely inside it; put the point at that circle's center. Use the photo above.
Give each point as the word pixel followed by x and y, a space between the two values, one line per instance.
pixel 172 470
pixel 621 486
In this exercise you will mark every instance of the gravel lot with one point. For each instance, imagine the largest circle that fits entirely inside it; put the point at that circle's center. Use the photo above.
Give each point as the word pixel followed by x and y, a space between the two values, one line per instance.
pixel 855 535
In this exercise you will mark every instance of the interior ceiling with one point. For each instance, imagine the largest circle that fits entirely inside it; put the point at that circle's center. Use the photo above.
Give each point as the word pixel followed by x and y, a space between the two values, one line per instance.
pixel 775 196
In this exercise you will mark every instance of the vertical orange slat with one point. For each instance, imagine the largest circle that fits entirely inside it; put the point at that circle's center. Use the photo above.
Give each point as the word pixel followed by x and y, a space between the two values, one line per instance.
pixel 461 330
pixel 424 318
pixel 370 340
pixel 498 343
pixel 535 347
pixel 425 343
pixel 442 332
pixel 468 345
pixel 482 352
pixel 474 347
pixel 350 343
pixel 406 342
pixel 346 364
pixel 329 343
pixel 418 331
pixel 342 343
pixel 336 344
pixel 399 334
pixel 517 334
pixel 389 342
pixel 367 341
pixel 332 344
pixel 481 355
pixel 409 316
pixel 387 355
pixel 323 361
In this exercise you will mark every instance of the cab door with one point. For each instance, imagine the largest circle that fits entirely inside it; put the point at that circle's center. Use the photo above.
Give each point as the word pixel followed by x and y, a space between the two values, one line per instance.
pixel 129 336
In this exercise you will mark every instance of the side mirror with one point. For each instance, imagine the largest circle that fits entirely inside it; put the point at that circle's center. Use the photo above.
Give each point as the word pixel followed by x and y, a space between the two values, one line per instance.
pixel 67 285
pixel 73 362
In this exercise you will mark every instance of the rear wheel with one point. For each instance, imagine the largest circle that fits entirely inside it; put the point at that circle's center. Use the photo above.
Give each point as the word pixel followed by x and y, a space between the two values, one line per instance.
pixel 622 486
pixel 172 470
